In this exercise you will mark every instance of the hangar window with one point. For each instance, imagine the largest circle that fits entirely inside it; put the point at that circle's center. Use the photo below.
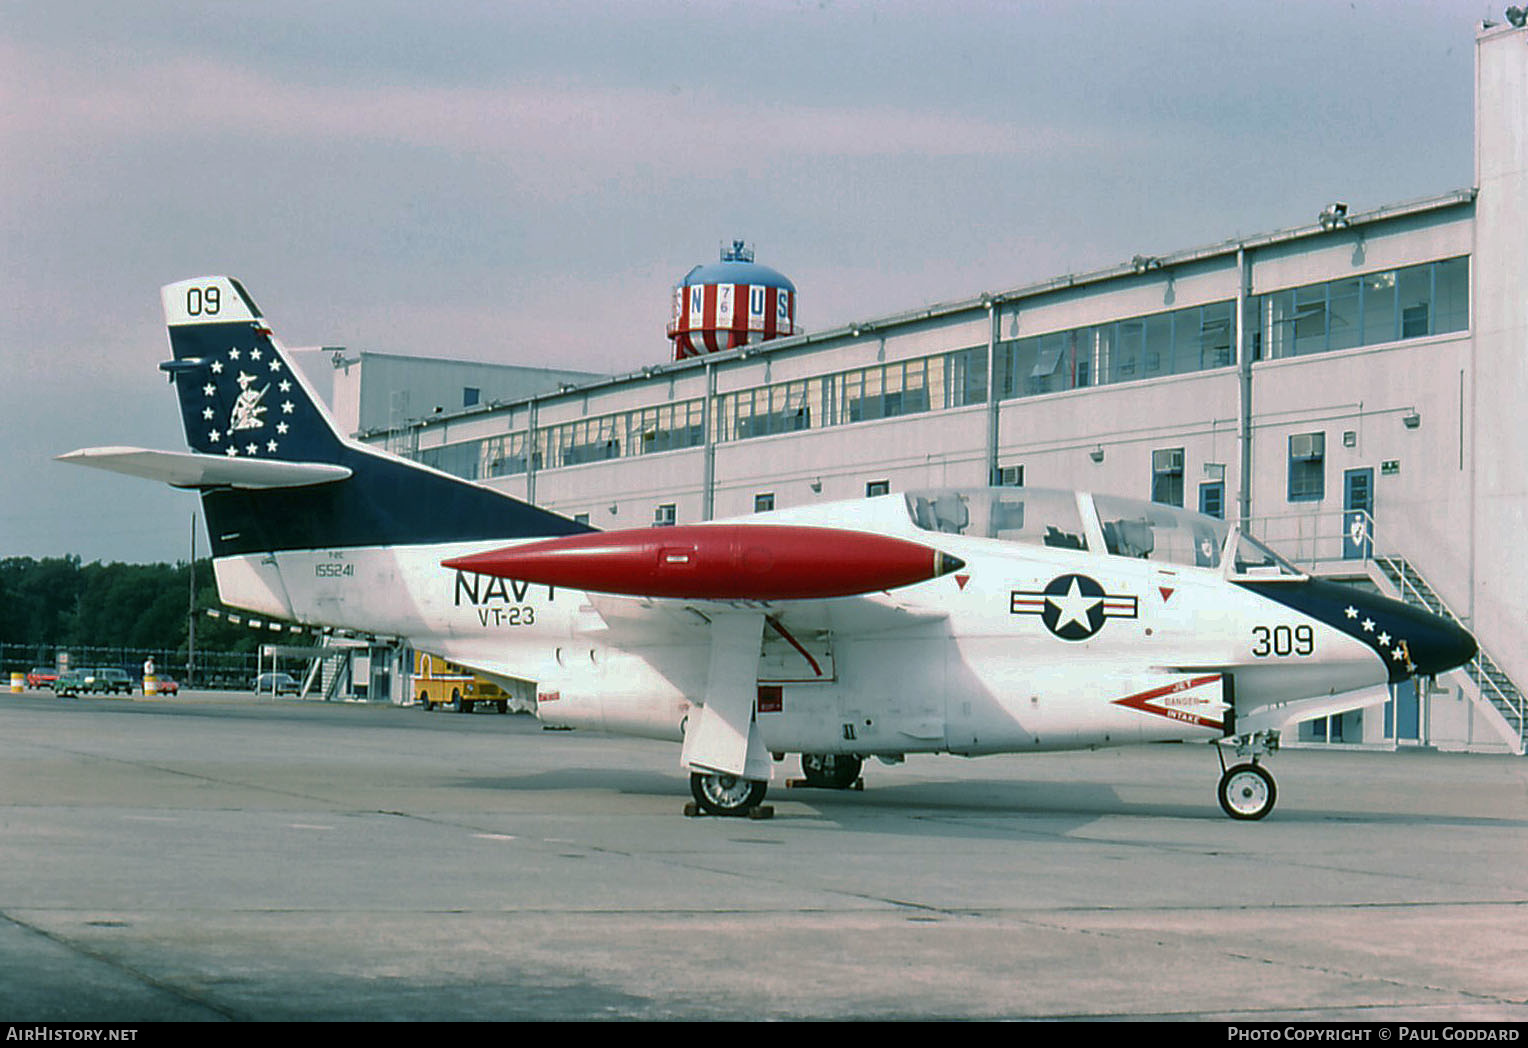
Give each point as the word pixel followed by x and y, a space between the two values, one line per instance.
pixel 666 428
pixel 1159 345
pixel 1167 476
pixel 503 456
pixel 644 431
pixel 1307 467
pixel 762 412
pixel 965 377
pixel 459 460
pixel 1203 336
pixel 479 459
pixel 1197 338
pixel 907 387
pixel 886 391
pixel 1387 306
pixel 1049 363
pixel 589 440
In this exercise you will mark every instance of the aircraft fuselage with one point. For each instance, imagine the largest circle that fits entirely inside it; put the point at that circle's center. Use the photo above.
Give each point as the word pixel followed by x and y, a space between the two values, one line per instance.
pixel 1025 649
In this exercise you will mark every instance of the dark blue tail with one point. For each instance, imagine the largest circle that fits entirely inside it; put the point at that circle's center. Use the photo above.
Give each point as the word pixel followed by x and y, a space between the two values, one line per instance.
pixel 241 398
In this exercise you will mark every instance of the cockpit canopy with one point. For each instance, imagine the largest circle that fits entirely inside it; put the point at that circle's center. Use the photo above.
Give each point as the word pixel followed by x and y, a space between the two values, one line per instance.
pixel 1150 531
pixel 1125 527
pixel 1031 515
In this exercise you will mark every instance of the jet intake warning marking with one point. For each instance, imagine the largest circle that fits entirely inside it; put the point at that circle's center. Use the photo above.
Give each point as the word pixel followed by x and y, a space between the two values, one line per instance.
pixel 1073 607
pixel 1195 701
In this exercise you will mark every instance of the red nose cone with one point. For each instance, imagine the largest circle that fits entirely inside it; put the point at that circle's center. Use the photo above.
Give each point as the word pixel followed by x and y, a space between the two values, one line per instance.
pixel 718 562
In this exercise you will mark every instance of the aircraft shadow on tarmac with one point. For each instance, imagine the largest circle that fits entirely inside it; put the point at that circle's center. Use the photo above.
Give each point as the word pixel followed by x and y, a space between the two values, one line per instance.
pixel 957 799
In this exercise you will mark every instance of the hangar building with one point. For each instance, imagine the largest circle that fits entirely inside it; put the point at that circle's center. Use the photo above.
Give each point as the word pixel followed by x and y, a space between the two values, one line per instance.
pixel 1353 391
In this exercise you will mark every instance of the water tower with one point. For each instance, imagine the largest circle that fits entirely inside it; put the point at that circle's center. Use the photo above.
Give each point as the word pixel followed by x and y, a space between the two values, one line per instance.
pixel 731 303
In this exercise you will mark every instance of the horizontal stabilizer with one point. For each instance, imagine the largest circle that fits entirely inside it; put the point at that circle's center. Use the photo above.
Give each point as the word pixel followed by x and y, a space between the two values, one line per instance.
pixel 183 469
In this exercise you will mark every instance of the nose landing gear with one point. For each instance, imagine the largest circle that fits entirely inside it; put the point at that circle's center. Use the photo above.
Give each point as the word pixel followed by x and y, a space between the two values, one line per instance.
pixel 1247 791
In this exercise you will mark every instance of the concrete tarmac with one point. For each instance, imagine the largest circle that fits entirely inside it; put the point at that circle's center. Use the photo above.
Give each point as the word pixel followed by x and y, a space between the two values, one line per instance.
pixel 217 857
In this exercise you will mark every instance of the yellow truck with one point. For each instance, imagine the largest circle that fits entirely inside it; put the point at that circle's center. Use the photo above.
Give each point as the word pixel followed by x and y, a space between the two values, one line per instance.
pixel 437 682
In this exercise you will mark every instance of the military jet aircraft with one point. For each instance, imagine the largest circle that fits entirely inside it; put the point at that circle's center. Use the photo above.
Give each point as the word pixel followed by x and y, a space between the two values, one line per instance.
pixel 980 621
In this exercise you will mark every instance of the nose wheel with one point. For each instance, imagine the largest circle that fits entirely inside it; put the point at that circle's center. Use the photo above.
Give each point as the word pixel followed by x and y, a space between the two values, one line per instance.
pixel 1247 791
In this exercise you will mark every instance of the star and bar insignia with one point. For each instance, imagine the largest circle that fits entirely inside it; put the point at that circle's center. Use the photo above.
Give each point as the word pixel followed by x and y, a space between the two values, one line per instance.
pixel 1073 607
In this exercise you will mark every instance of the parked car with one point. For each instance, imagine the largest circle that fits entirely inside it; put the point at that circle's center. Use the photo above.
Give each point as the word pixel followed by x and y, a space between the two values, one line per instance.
pixel 69 684
pixel 107 680
pixel 165 686
pixel 41 677
pixel 104 680
pixel 275 684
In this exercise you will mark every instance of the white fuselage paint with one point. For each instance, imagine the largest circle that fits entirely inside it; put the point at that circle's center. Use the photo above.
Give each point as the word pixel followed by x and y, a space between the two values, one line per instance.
pixel 955 664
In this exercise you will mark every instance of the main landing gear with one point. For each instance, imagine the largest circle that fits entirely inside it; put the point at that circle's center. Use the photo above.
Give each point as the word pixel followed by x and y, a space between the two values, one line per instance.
pixel 717 793
pixel 831 771
pixel 1247 791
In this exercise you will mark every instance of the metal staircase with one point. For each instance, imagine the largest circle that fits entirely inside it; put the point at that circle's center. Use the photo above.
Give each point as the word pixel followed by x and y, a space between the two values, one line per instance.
pixel 328 672
pixel 1492 684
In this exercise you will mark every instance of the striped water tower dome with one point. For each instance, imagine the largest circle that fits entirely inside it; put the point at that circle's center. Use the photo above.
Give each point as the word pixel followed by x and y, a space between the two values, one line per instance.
pixel 731 303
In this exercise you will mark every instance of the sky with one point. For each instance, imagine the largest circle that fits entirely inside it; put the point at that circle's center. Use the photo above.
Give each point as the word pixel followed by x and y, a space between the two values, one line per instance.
pixel 525 183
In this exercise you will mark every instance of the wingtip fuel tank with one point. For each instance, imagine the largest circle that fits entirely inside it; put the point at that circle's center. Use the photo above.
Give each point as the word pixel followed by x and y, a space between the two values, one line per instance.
pixel 719 562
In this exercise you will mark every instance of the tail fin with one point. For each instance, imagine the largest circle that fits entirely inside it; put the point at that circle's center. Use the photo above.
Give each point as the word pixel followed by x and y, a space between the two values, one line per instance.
pixel 246 409
pixel 239 395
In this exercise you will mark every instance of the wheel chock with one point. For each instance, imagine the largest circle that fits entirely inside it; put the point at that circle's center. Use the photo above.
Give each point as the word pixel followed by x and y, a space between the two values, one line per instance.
pixel 804 784
pixel 760 811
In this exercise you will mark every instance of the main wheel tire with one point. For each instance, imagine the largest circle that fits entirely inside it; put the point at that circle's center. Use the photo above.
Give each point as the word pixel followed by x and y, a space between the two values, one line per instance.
pixel 721 794
pixel 1247 792
pixel 833 771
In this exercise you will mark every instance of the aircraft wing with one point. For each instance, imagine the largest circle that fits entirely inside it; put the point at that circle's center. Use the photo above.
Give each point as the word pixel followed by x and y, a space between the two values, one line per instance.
pixel 643 619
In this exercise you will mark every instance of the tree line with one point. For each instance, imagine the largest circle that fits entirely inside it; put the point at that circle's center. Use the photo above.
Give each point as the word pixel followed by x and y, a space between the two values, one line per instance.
pixel 60 602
